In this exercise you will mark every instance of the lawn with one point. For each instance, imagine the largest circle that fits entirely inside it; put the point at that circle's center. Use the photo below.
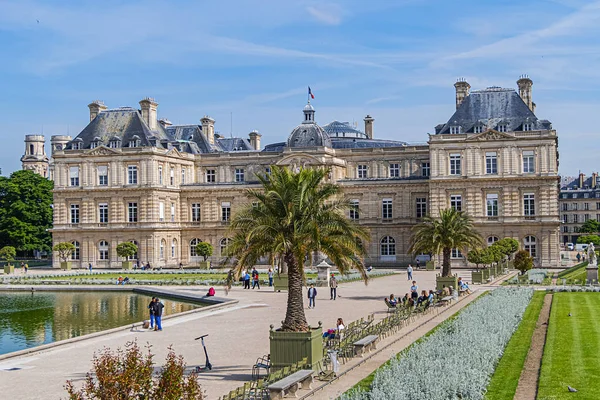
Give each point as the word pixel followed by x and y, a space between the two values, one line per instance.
pixel 142 276
pixel 572 348
pixel 506 376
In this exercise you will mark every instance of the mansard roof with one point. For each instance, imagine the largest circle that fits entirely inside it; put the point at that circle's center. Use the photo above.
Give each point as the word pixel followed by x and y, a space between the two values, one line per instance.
pixel 346 143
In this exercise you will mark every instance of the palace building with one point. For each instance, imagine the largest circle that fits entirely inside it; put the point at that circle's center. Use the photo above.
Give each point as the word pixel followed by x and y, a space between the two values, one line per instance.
pixel 129 176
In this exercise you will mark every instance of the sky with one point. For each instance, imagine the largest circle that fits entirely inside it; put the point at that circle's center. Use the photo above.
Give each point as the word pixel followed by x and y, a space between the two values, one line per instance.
pixel 248 63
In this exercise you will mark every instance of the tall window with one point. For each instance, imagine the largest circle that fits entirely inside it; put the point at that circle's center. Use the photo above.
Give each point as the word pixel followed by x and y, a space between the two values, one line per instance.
pixel 211 176
pixel 586 217
pixel 193 243
pixel 565 218
pixel 225 211
pixel 528 162
pixel 530 246
pixel 361 171
pixel 174 248
pixel 74 213
pixel 421 207
pixel 455 164
pixel 455 130
pixel 492 205
pixel 132 175
pixel 565 207
pixel 575 206
pixel 75 253
pixel 491 163
pixel 575 219
pixel 103 213
pixel 172 212
pixel 239 174
pixel 195 212
pixel 161 211
pixel 182 176
pixel 456 253
pixel 529 204
pixel 527 126
pixel 478 129
pixel 103 175
pixel 502 128
pixel 456 202
pixel 387 246
pixel 135 256
pixel 586 206
pixel 132 212
pixel 160 175
pixel 425 169
pixel 354 213
pixel 74 176
pixel 386 209
pixel 103 249
pixel 223 246
pixel 172 177
pixel 394 170
pixel 491 240
pixel 162 249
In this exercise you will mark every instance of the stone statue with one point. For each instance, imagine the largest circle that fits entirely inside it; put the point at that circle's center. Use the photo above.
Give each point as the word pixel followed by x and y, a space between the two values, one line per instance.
pixel 592 259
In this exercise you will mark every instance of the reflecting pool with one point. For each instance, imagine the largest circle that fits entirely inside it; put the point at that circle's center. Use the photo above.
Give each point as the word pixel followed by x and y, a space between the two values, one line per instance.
pixel 31 319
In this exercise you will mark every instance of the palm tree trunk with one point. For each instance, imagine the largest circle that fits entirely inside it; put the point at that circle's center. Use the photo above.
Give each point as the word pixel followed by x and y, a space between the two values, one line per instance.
pixel 446 271
pixel 295 320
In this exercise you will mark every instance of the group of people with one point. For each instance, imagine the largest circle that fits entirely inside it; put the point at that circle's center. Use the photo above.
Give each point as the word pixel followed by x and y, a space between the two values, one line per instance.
pixel 413 298
pixel 245 276
pixel 155 309
pixel 312 291
pixel 122 281
pixel 24 267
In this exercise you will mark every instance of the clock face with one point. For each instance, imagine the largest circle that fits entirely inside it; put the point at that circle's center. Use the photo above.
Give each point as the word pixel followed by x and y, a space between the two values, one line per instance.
pixel 59 147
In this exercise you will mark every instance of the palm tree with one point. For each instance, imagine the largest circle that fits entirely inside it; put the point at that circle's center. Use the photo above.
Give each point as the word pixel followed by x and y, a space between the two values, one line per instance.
pixel 289 218
pixel 452 230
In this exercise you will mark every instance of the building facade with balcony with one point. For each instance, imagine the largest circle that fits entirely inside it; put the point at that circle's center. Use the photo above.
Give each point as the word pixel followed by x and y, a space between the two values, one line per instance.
pixel 129 176
pixel 579 202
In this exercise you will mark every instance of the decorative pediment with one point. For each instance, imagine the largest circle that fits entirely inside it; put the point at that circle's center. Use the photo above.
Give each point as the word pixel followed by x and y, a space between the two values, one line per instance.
pixel 490 134
pixel 101 151
pixel 296 161
pixel 174 152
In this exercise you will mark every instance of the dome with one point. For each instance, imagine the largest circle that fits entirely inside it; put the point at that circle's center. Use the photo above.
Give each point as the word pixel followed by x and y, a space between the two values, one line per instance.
pixel 309 107
pixel 343 129
pixel 308 135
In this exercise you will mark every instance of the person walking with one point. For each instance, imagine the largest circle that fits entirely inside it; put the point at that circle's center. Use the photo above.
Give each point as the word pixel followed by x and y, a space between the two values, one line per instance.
pixel 151 311
pixel 409 272
pixel 418 264
pixel 270 275
pixel 333 284
pixel 312 295
pixel 25 268
pixel 90 267
pixel 255 281
pixel 414 291
pixel 158 310
pixel 246 280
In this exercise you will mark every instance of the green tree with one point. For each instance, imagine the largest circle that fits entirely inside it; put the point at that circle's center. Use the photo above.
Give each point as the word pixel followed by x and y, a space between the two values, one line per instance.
pixel 476 256
pixel 204 250
pixel 590 226
pixel 26 212
pixel 8 254
pixel 523 261
pixel 127 249
pixel 488 256
pixel 452 230
pixel 64 250
pixel 587 239
pixel 294 215
pixel 510 245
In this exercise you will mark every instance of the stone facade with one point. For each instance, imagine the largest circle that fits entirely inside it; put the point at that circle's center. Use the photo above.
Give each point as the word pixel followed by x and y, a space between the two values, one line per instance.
pixel 129 177
pixel 579 201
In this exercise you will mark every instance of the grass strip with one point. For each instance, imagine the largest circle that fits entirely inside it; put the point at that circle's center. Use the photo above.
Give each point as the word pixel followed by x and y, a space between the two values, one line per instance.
pixel 503 384
pixel 578 267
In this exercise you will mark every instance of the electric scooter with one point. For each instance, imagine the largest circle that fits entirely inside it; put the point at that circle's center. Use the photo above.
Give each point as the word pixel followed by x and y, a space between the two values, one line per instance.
pixel 208 365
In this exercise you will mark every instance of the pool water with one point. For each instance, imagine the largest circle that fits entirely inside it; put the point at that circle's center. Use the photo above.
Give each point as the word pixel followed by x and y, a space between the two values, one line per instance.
pixel 31 319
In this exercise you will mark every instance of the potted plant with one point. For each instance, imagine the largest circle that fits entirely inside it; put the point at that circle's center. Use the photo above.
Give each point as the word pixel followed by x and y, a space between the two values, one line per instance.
pixel 8 254
pixel 127 250
pixel 64 250
pixel 476 257
pixel 294 215
pixel 451 230
pixel 204 250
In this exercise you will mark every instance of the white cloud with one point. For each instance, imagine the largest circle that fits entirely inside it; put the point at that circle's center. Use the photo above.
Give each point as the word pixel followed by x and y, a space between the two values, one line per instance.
pixel 329 14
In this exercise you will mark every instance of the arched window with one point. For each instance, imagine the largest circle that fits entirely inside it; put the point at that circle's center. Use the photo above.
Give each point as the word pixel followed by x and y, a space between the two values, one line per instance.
pixel 174 248
pixel 103 249
pixel 163 243
pixel 388 246
pixel 75 254
pixel 530 245
pixel 223 245
pixel 193 243
pixel 491 240
pixel 135 256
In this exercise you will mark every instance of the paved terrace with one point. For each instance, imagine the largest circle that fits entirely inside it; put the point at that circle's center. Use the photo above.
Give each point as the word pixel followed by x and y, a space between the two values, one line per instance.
pixel 237 336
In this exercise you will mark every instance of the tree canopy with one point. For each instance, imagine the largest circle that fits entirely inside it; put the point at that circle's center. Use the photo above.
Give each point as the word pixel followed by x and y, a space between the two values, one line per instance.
pixel 127 249
pixel 523 261
pixel 64 250
pixel 26 211
pixel 8 254
pixel 587 239
pixel 204 250
pixel 590 226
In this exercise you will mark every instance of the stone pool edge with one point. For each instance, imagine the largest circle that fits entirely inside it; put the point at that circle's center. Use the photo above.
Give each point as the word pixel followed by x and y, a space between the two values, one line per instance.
pixel 215 303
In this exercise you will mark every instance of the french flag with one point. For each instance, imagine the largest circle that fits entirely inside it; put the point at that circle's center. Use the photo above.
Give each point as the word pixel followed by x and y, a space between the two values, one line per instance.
pixel 312 96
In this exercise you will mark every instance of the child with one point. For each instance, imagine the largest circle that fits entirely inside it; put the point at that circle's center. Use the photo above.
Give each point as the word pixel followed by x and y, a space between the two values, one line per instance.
pixel 312 294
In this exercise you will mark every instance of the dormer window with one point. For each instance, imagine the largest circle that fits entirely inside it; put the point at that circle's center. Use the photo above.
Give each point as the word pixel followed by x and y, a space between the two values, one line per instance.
pixel 502 127
pixel 527 126
pixel 478 129
pixel 114 143
pixel 77 144
pixel 135 141
pixel 93 145
pixel 454 130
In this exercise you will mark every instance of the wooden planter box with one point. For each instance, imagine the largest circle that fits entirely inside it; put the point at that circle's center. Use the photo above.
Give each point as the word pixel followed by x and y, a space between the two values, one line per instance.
pixel 9 269
pixel 430 266
pixel 288 348
pixel 477 276
pixel 127 265
pixel 280 282
pixel 446 281
pixel 65 266
pixel 486 274
pixel 204 265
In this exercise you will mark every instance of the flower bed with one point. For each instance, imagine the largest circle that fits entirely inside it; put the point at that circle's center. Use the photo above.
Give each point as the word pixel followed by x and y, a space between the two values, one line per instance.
pixel 534 276
pixel 458 359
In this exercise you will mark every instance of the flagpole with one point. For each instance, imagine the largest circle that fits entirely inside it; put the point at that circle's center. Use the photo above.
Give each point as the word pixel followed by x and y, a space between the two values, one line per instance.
pixel 308 95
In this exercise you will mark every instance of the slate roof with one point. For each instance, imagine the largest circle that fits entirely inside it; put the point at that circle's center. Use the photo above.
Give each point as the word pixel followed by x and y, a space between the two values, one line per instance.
pixel 234 144
pixel 572 182
pixel 346 143
pixel 490 108
pixel 342 129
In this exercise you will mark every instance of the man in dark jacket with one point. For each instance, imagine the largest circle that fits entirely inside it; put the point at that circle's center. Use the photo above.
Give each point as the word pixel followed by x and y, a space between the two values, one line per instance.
pixel 151 311
pixel 158 309
pixel 312 294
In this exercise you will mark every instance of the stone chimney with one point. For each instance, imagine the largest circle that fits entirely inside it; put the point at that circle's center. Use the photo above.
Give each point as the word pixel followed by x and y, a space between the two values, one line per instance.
pixel 369 126
pixel 149 112
pixel 594 179
pixel 208 128
pixel 581 180
pixel 525 85
pixel 462 90
pixel 96 107
pixel 255 139
pixel 165 122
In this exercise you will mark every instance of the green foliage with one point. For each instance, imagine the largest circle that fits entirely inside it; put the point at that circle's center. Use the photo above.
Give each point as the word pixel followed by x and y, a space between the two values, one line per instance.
pixel 64 250
pixel 590 226
pixel 475 256
pixel 204 250
pixel 293 216
pixel 25 211
pixel 129 374
pixel 8 253
pixel 127 249
pixel 510 244
pixel 587 239
pixel 498 252
pixel 523 261
pixel 452 230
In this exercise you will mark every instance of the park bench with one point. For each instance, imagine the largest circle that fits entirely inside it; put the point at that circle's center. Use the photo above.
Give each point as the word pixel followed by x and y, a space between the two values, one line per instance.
pixel 462 292
pixel 263 362
pixel 290 384
pixel 367 343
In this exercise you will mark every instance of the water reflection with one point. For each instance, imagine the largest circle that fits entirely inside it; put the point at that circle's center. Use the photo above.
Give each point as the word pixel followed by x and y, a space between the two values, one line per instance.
pixel 30 319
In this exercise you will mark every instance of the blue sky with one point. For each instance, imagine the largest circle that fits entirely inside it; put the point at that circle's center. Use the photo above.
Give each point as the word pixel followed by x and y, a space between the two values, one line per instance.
pixel 396 60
